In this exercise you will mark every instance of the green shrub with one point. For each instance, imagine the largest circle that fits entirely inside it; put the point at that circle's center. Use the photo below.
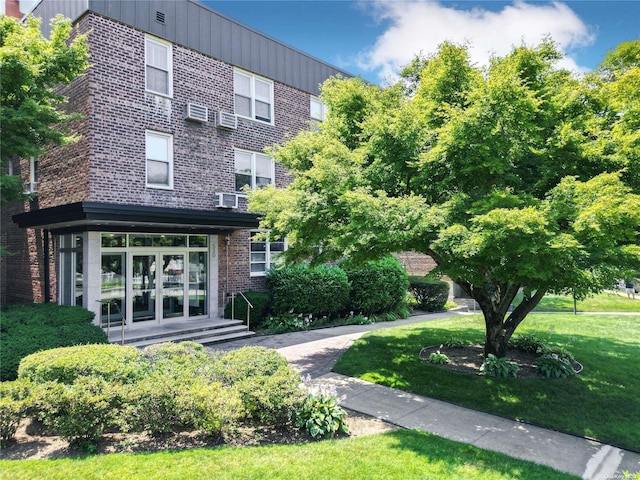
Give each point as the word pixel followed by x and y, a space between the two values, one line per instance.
pixel 268 386
pixel 176 358
pixel 79 412
pixel 430 294
pixel 527 342
pixel 500 367
pixel 320 415
pixel 454 342
pixel 65 365
pixel 261 302
pixel 322 290
pixel 377 286
pixel 27 329
pixel 553 366
pixel 559 351
pixel 438 358
pixel 13 407
pixel 210 408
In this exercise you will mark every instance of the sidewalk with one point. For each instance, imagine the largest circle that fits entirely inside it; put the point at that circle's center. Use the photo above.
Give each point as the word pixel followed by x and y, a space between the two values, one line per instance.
pixel 315 352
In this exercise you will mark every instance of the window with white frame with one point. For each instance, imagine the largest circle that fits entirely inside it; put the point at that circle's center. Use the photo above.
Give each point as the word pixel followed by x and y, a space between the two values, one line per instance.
pixel 264 253
pixel 318 110
pixel 159 148
pixel 253 169
pixel 159 68
pixel 253 97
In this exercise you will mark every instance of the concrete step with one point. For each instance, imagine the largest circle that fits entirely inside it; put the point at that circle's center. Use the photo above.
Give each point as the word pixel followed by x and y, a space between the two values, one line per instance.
pixel 204 340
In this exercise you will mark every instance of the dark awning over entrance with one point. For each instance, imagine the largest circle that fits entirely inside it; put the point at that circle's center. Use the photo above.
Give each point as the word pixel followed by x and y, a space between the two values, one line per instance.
pixel 114 217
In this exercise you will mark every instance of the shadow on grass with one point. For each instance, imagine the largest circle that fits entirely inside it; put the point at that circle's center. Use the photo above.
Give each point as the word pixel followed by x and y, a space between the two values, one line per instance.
pixel 460 460
pixel 601 402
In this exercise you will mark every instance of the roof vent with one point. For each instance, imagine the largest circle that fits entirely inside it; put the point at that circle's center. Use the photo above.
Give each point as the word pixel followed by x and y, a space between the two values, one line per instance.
pixel 160 17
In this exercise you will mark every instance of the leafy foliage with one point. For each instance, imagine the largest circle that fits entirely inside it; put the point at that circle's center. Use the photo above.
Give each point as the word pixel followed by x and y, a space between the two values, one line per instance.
pixel 320 415
pixel 377 286
pixel 554 366
pixel 431 295
pixel 438 358
pixel 520 177
pixel 261 302
pixel 31 68
pixel 321 290
pixel 500 367
pixel 26 329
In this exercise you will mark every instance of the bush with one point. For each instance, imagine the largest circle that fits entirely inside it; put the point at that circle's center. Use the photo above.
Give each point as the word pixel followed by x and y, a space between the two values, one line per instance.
pixel 177 358
pixel 552 366
pixel 65 365
pixel 377 286
pixel 13 407
pixel 320 415
pixel 500 367
pixel 210 408
pixel 322 290
pixel 430 294
pixel 268 386
pixel 27 329
pixel 79 412
pixel 527 342
pixel 261 302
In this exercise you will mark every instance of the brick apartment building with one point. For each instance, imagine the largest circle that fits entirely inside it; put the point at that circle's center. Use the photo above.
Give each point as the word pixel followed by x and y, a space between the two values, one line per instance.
pixel 146 210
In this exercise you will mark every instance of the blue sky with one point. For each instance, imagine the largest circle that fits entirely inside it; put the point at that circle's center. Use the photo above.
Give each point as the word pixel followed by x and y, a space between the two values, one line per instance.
pixel 375 38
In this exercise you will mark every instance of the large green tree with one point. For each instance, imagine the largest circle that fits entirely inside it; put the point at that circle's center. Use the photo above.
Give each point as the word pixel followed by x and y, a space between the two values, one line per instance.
pixel 31 107
pixel 519 176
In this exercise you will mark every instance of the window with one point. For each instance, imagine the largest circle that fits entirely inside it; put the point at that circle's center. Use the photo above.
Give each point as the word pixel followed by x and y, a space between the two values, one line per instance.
pixel 253 169
pixel 159 160
pixel 158 67
pixel 318 110
pixel 264 254
pixel 253 97
pixel 71 278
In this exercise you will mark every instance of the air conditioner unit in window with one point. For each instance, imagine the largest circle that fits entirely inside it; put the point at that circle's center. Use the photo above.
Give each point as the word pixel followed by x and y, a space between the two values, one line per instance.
pixel 226 200
pixel 226 120
pixel 31 187
pixel 198 113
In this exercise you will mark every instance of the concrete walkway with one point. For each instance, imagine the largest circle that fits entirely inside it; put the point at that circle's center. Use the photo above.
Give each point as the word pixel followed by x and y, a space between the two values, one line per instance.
pixel 315 352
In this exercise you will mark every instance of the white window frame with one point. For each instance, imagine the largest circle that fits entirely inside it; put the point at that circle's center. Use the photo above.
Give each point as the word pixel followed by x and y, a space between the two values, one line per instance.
pixel 253 96
pixel 33 169
pixel 272 169
pixel 269 256
pixel 169 47
pixel 323 109
pixel 169 159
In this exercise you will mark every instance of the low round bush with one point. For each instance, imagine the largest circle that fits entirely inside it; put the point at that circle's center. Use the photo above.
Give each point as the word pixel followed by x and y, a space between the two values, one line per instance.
pixel 321 290
pixel 177 358
pixel 13 407
pixel 110 362
pixel 377 286
pixel 268 386
pixel 261 302
pixel 430 294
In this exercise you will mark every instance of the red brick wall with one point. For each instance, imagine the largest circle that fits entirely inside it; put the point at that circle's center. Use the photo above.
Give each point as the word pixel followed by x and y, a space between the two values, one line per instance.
pixel 417 264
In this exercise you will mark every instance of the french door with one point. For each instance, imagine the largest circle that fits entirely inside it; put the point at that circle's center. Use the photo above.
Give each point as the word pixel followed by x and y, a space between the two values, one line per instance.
pixel 158 286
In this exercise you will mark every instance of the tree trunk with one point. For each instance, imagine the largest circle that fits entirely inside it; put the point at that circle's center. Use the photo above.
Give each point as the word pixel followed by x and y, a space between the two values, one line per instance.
pixel 494 301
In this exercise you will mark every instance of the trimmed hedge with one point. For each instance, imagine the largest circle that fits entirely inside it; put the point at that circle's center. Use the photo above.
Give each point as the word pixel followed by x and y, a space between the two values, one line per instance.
pixel 26 329
pixel 322 290
pixel 261 302
pixel 66 364
pixel 431 295
pixel 377 286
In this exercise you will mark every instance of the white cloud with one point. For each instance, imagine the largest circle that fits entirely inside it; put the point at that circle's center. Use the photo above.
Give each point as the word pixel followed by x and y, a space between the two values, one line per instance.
pixel 420 26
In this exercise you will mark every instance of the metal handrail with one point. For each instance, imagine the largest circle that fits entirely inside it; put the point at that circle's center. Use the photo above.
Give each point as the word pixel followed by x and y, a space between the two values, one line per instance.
pixel 249 306
pixel 123 320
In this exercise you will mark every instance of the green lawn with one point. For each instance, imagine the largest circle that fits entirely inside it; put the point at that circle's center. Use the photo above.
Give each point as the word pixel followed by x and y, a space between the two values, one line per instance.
pixel 603 302
pixel 601 402
pixel 401 455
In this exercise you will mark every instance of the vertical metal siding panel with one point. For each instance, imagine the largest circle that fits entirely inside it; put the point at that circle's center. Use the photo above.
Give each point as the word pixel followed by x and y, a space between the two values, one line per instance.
pixel 236 44
pixel 205 33
pixel 273 60
pixel 223 49
pixel 194 26
pixel 247 44
pixel 262 51
pixel 180 23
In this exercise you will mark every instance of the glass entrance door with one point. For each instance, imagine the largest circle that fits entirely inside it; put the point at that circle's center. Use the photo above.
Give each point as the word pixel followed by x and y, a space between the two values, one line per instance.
pixel 144 287
pixel 173 285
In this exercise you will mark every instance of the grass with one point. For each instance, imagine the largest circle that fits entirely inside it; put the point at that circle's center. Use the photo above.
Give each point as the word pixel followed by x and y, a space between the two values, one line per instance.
pixel 402 455
pixel 601 402
pixel 603 302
